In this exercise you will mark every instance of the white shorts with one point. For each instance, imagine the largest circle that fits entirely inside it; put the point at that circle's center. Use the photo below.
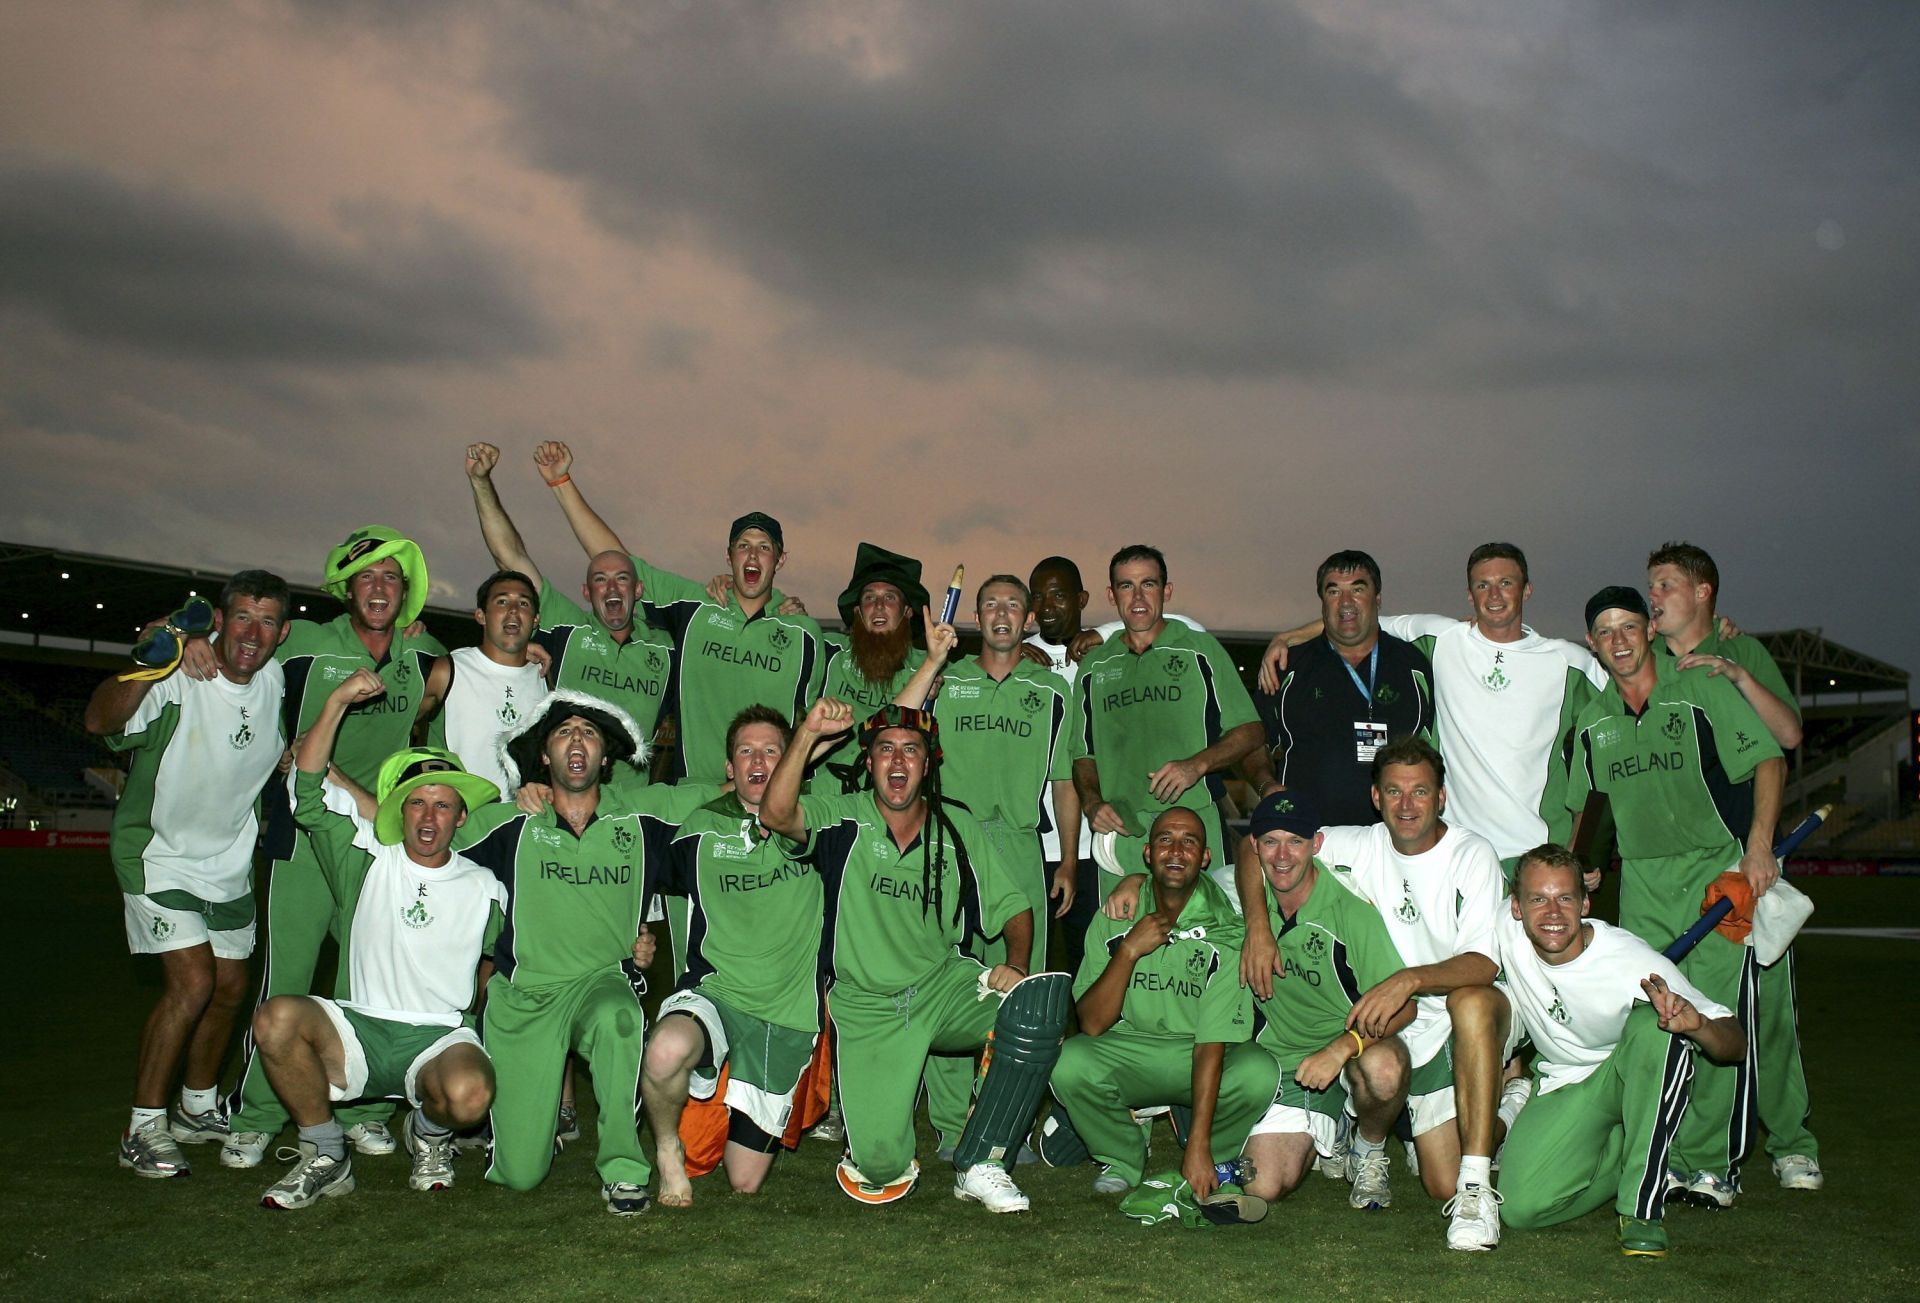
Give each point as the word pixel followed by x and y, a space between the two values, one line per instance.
pixel 357 1066
pixel 1288 1119
pixel 1438 1107
pixel 154 929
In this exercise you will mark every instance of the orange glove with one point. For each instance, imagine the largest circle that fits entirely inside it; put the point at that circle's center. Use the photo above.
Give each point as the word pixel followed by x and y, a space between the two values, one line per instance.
pixel 1732 886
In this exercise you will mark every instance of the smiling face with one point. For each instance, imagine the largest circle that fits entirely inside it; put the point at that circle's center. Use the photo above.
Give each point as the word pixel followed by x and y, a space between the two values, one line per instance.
pixel 1410 800
pixel 1176 851
pixel 612 590
pixel 1619 637
pixel 1002 611
pixel 1498 592
pixel 575 753
pixel 428 818
pixel 1058 601
pixel 1286 858
pixel 249 630
pixel 897 763
pixel 753 558
pixel 1139 592
pixel 507 620
pixel 1350 607
pixel 757 748
pixel 375 594
pixel 1549 901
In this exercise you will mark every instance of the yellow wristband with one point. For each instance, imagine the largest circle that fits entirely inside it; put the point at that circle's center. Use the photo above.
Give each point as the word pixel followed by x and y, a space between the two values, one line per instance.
pixel 1359 1046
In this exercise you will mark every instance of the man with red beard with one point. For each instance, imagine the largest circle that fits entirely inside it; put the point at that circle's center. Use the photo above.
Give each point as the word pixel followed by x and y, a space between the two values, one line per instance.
pixel 183 837
pixel 869 664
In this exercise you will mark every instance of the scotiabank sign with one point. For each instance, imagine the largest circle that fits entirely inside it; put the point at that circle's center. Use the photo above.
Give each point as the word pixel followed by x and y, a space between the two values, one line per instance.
pixel 19 839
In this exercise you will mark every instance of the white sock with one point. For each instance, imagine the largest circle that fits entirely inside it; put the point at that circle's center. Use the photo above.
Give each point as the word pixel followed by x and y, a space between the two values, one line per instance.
pixel 199 1101
pixel 1362 1145
pixel 1476 1169
pixel 426 1126
pixel 142 1116
pixel 1513 1098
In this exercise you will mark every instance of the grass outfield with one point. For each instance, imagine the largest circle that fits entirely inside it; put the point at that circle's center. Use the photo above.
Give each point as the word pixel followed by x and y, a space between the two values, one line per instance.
pixel 72 1224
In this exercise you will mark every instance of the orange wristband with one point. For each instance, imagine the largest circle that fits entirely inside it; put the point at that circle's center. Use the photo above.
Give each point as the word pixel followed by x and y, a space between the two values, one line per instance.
pixel 564 479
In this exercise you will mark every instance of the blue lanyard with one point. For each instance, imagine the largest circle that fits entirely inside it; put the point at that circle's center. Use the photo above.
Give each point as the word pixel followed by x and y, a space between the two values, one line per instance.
pixel 1373 673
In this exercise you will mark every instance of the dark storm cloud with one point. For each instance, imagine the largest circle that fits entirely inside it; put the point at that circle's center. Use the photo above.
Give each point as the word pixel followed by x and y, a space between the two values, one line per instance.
pixel 173 274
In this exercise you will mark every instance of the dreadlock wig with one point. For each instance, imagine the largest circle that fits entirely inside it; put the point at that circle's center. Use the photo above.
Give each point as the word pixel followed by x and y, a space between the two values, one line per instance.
pixel 940 831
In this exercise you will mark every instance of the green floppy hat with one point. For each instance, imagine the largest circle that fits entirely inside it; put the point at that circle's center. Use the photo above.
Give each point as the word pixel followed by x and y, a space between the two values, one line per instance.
pixel 403 771
pixel 371 543
pixel 873 564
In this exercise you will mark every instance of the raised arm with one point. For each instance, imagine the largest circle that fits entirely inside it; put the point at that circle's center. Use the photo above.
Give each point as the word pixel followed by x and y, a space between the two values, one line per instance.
pixel 555 463
pixel 780 810
pixel 917 691
pixel 316 745
pixel 113 702
pixel 497 530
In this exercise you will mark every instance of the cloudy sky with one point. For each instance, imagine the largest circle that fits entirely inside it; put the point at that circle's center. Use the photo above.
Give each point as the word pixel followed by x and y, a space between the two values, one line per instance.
pixel 981 281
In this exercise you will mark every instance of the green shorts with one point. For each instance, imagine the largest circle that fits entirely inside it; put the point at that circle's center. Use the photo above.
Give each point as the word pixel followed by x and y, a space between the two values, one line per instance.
pixel 764 1060
pixel 384 1057
pixel 1295 1109
pixel 1430 1099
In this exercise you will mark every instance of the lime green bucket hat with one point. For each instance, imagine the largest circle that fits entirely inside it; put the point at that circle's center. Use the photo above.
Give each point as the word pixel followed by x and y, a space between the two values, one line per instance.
pixel 403 771
pixel 371 543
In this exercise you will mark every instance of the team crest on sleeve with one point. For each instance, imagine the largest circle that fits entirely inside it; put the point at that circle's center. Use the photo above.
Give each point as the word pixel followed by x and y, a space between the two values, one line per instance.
pixel 1743 743
pixel 623 838
pixel 243 736
pixel 1673 728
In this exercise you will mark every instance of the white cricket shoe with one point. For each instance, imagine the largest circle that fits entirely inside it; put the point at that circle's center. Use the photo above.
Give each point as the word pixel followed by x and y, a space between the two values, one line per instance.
pixel 372 1138
pixel 989 1185
pixel 314 1177
pixel 432 1157
pixel 1370 1191
pixel 1337 1165
pixel 1798 1172
pixel 244 1149
pixel 1705 1190
pixel 1110 1182
pixel 152 1152
pixel 1475 1213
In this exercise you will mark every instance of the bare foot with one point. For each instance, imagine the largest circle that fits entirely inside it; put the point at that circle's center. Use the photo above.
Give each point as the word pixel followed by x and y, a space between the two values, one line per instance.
pixel 670 1161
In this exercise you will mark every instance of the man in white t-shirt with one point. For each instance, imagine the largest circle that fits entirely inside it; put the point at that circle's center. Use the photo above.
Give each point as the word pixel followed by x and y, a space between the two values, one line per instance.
pixel 1613 1075
pixel 1505 699
pixel 1438 889
pixel 486 691
pixel 414 920
pixel 182 846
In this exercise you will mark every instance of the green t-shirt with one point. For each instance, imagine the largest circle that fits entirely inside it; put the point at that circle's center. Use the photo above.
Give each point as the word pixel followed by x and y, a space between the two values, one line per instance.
pixel 1189 989
pixel 1677 778
pixel 1134 713
pixel 317 658
pixel 754 937
pixel 633 675
pixel 1334 949
pixel 575 903
pixel 845 681
pixel 885 933
pixel 1004 742
pixel 725 661
pixel 1750 654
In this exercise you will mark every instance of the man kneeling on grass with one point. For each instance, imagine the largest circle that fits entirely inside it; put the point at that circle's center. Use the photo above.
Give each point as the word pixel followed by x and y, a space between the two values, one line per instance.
pixel 414 921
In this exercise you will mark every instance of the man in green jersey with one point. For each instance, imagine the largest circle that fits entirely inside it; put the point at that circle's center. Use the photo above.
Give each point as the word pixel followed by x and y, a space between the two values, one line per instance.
pixel 726 657
pixel 908 879
pixel 1333 949
pixel 414 921
pixel 1164 1020
pixel 580 876
pixel 749 1000
pixel 600 645
pixel 1683 590
pixel 869 663
pixel 1160 715
pixel 182 845
pixel 382 580
pixel 1005 739
pixel 1694 782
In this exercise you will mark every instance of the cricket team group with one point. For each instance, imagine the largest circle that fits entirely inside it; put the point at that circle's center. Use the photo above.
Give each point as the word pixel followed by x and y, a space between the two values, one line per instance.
pixel 858 847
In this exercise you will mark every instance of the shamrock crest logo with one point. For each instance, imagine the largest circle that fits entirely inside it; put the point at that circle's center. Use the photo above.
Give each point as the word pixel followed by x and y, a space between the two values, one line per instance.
pixel 1673 728
pixel 780 638
pixel 508 713
pixel 1176 666
pixel 1386 695
pixel 1316 945
pixel 402 673
pixel 1497 680
pixel 623 838
pixel 162 929
pixel 1408 911
pixel 655 661
pixel 1030 702
pixel 1558 1009
pixel 243 736
pixel 1197 961
pixel 416 915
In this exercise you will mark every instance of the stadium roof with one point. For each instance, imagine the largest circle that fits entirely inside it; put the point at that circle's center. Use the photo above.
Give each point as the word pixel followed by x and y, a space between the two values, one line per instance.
pixel 78 597
pixel 1815 666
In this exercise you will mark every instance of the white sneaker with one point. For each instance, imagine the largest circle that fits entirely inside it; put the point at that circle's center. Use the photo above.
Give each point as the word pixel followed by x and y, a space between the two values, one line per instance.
pixel 314 1177
pixel 432 1157
pixel 988 1184
pixel 1475 1210
pixel 372 1138
pixel 198 1128
pixel 244 1149
pixel 152 1152
pixel 1370 1192
pixel 1705 1190
pixel 1798 1172
pixel 1110 1182
pixel 1336 1166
